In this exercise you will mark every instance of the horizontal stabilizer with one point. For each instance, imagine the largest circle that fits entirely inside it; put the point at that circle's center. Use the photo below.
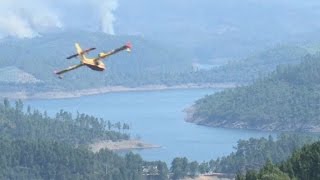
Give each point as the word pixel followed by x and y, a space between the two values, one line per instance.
pixel 83 52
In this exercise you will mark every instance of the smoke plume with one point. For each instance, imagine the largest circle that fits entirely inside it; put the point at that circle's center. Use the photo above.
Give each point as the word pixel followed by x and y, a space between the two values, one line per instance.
pixel 31 18
pixel 107 17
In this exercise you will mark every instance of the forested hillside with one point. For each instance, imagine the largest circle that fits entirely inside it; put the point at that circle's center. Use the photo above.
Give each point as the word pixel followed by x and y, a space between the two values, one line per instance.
pixel 28 64
pixel 249 69
pixel 287 100
pixel 303 164
pixel 36 146
pixel 38 159
pixel 249 156
pixel 252 154
pixel 17 122
pixel 41 56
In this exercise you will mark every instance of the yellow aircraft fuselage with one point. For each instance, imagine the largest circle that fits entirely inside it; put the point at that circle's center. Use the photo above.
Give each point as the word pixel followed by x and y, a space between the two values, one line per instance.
pixel 93 63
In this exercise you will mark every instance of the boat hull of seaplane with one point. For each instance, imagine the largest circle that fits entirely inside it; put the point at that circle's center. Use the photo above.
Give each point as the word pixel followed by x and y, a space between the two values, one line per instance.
pixel 96 65
pixel 96 68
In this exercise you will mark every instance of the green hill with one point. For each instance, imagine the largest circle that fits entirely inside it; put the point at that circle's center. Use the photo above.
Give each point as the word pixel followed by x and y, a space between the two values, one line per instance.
pixel 252 154
pixel 249 69
pixel 303 164
pixel 34 60
pixel 42 55
pixel 16 76
pixel 287 100
pixel 149 62
pixel 38 159
pixel 36 146
pixel 19 123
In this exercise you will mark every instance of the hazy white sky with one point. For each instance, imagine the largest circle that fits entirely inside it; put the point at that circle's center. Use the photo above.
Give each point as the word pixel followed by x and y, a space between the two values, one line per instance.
pixel 29 18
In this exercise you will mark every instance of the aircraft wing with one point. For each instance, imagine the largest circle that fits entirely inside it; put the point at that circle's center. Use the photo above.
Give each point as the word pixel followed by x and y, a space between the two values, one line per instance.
pixel 69 69
pixel 126 47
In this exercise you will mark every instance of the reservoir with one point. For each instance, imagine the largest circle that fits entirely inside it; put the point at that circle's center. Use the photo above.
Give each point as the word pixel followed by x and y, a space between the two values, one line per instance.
pixel 157 117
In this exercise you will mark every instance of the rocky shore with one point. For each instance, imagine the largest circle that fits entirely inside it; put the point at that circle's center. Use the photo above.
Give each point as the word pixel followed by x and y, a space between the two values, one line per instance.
pixel 121 145
pixel 110 89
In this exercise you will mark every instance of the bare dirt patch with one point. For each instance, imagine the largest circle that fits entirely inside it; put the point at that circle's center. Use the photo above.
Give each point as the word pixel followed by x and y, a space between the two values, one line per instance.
pixel 121 145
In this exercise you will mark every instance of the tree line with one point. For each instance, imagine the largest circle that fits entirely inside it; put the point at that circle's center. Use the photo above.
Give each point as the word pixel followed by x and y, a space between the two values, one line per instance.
pixel 63 127
pixel 249 156
pixel 36 146
pixel 42 159
pixel 302 164
pixel 286 100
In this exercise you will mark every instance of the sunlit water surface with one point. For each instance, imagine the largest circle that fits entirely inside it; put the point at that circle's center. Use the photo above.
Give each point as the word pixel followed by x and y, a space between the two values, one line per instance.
pixel 158 118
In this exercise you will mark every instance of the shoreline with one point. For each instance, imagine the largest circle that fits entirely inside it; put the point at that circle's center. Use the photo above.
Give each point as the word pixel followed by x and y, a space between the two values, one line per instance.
pixel 109 89
pixel 241 125
pixel 119 146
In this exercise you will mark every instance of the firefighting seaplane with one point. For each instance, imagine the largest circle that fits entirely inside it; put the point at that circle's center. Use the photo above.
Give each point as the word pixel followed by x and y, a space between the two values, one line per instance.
pixel 93 63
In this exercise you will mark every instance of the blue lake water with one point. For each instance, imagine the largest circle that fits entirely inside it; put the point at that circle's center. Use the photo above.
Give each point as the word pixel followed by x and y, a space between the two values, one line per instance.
pixel 158 118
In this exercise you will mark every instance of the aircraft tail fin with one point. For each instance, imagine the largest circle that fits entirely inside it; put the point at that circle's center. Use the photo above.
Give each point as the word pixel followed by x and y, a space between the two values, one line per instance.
pixel 78 48
pixel 80 52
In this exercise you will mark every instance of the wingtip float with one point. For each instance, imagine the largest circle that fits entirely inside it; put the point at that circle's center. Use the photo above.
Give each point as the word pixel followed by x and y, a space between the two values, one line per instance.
pixel 57 73
pixel 93 63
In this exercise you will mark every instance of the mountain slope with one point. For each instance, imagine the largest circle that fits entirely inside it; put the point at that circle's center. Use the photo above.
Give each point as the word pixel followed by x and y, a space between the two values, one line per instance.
pixel 287 100
pixel 148 64
pixel 303 164
pixel 249 69
pixel 15 75
pixel 41 56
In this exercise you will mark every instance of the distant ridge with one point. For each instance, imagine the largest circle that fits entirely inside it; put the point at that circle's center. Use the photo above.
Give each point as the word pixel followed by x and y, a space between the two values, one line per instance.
pixel 15 75
pixel 287 100
pixel 40 56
